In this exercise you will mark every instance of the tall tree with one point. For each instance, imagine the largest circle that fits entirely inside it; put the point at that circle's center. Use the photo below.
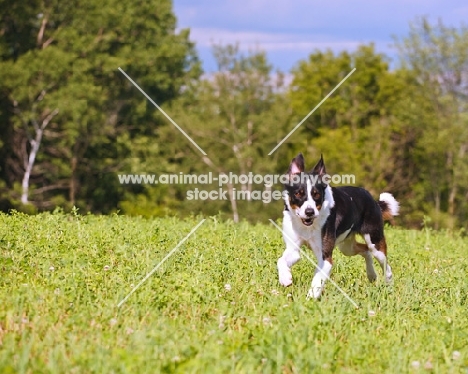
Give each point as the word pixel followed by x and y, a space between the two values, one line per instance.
pixel 371 125
pixel 236 115
pixel 70 72
pixel 438 56
pixel 340 128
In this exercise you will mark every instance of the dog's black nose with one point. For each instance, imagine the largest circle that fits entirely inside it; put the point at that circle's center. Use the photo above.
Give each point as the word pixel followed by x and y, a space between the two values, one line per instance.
pixel 309 212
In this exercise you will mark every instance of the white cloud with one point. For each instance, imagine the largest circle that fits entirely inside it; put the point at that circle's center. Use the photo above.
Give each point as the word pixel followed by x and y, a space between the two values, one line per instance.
pixel 290 30
pixel 206 37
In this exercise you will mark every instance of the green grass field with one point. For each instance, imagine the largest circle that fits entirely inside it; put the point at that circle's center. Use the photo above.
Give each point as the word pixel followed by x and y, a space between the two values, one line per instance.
pixel 216 305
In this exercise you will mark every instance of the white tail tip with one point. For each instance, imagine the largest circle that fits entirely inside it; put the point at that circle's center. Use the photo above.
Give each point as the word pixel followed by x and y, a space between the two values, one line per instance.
pixel 393 205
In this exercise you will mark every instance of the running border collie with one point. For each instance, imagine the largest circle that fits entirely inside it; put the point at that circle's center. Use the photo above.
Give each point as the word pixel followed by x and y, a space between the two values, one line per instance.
pixel 323 217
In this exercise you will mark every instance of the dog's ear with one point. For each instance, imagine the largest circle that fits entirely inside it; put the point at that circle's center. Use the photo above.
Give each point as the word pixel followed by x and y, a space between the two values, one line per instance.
pixel 297 165
pixel 319 169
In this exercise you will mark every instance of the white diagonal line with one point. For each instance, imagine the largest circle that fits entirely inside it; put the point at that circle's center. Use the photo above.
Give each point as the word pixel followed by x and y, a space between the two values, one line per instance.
pixel 312 111
pixel 163 112
pixel 160 263
pixel 312 261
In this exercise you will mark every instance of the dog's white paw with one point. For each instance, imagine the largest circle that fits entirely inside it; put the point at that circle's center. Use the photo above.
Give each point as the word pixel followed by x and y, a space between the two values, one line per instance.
pixel 389 275
pixel 314 293
pixel 285 277
pixel 284 273
pixel 371 275
pixel 316 287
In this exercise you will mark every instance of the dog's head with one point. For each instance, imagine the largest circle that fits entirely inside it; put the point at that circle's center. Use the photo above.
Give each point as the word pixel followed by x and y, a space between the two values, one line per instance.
pixel 305 191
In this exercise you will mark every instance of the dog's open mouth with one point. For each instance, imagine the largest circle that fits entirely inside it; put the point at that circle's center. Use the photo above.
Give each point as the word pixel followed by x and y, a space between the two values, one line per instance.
pixel 307 221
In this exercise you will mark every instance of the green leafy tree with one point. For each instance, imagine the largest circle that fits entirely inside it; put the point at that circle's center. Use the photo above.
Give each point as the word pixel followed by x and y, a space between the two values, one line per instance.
pixel 348 127
pixel 242 110
pixel 438 56
pixel 354 104
pixel 236 115
pixel 70 71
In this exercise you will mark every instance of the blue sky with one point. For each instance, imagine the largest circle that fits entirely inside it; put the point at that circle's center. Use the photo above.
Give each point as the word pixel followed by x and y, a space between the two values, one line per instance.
pixel 290 30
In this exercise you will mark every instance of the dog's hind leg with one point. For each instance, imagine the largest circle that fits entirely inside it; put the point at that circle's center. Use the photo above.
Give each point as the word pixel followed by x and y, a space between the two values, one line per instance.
pixel 350 247
pixel 378 247
pixel 371 275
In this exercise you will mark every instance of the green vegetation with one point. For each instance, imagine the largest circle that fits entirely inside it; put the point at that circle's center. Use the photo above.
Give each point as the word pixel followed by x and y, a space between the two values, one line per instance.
pixel 64 274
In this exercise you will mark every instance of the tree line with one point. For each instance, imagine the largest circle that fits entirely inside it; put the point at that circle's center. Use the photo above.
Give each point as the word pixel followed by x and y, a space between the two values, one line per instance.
pixel 70 121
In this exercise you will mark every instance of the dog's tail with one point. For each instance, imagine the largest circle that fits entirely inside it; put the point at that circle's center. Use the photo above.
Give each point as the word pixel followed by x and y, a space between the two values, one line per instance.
pixel 389 206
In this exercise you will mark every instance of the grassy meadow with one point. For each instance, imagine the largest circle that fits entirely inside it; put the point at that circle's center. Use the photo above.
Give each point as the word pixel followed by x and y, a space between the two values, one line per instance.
pixel 216 306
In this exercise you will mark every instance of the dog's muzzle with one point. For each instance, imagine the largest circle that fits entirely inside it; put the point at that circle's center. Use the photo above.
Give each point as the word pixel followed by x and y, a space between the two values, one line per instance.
pixel 310 216
pixel 308 221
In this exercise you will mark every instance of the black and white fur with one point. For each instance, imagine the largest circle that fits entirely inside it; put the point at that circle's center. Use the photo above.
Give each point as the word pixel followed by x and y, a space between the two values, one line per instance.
pixel 323 217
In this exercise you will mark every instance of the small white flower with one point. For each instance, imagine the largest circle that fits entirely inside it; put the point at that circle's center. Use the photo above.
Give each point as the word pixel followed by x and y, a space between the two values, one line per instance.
pixel 436 271
pixel 51 268
pixel 371 313
pixel 113 322
pixel 227 287
pixel 129 331
pixel 175 359
pixel 428 365
pixel 221 322
pixel 456 355
pixel 107 267
pixel 275 292
pixel 57 291
pixel 415 364
pixel 266 320
pixel 289 295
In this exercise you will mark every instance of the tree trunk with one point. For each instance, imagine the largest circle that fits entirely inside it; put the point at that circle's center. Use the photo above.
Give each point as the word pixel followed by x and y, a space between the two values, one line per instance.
pixel 454 183
pixel 437 210
pixel 72 193
pixel 232 197
pixel 35 144
pixel 31 159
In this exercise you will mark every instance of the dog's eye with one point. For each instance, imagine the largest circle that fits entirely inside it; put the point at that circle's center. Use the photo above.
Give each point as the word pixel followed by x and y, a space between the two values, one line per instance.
pixel 316 195
pixel 299 193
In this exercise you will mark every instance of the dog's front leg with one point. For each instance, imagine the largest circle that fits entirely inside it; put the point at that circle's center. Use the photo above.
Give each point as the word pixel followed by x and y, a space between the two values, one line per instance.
pixel 290 256
pixel 320 277
pixel 285 262
pixel 323 250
